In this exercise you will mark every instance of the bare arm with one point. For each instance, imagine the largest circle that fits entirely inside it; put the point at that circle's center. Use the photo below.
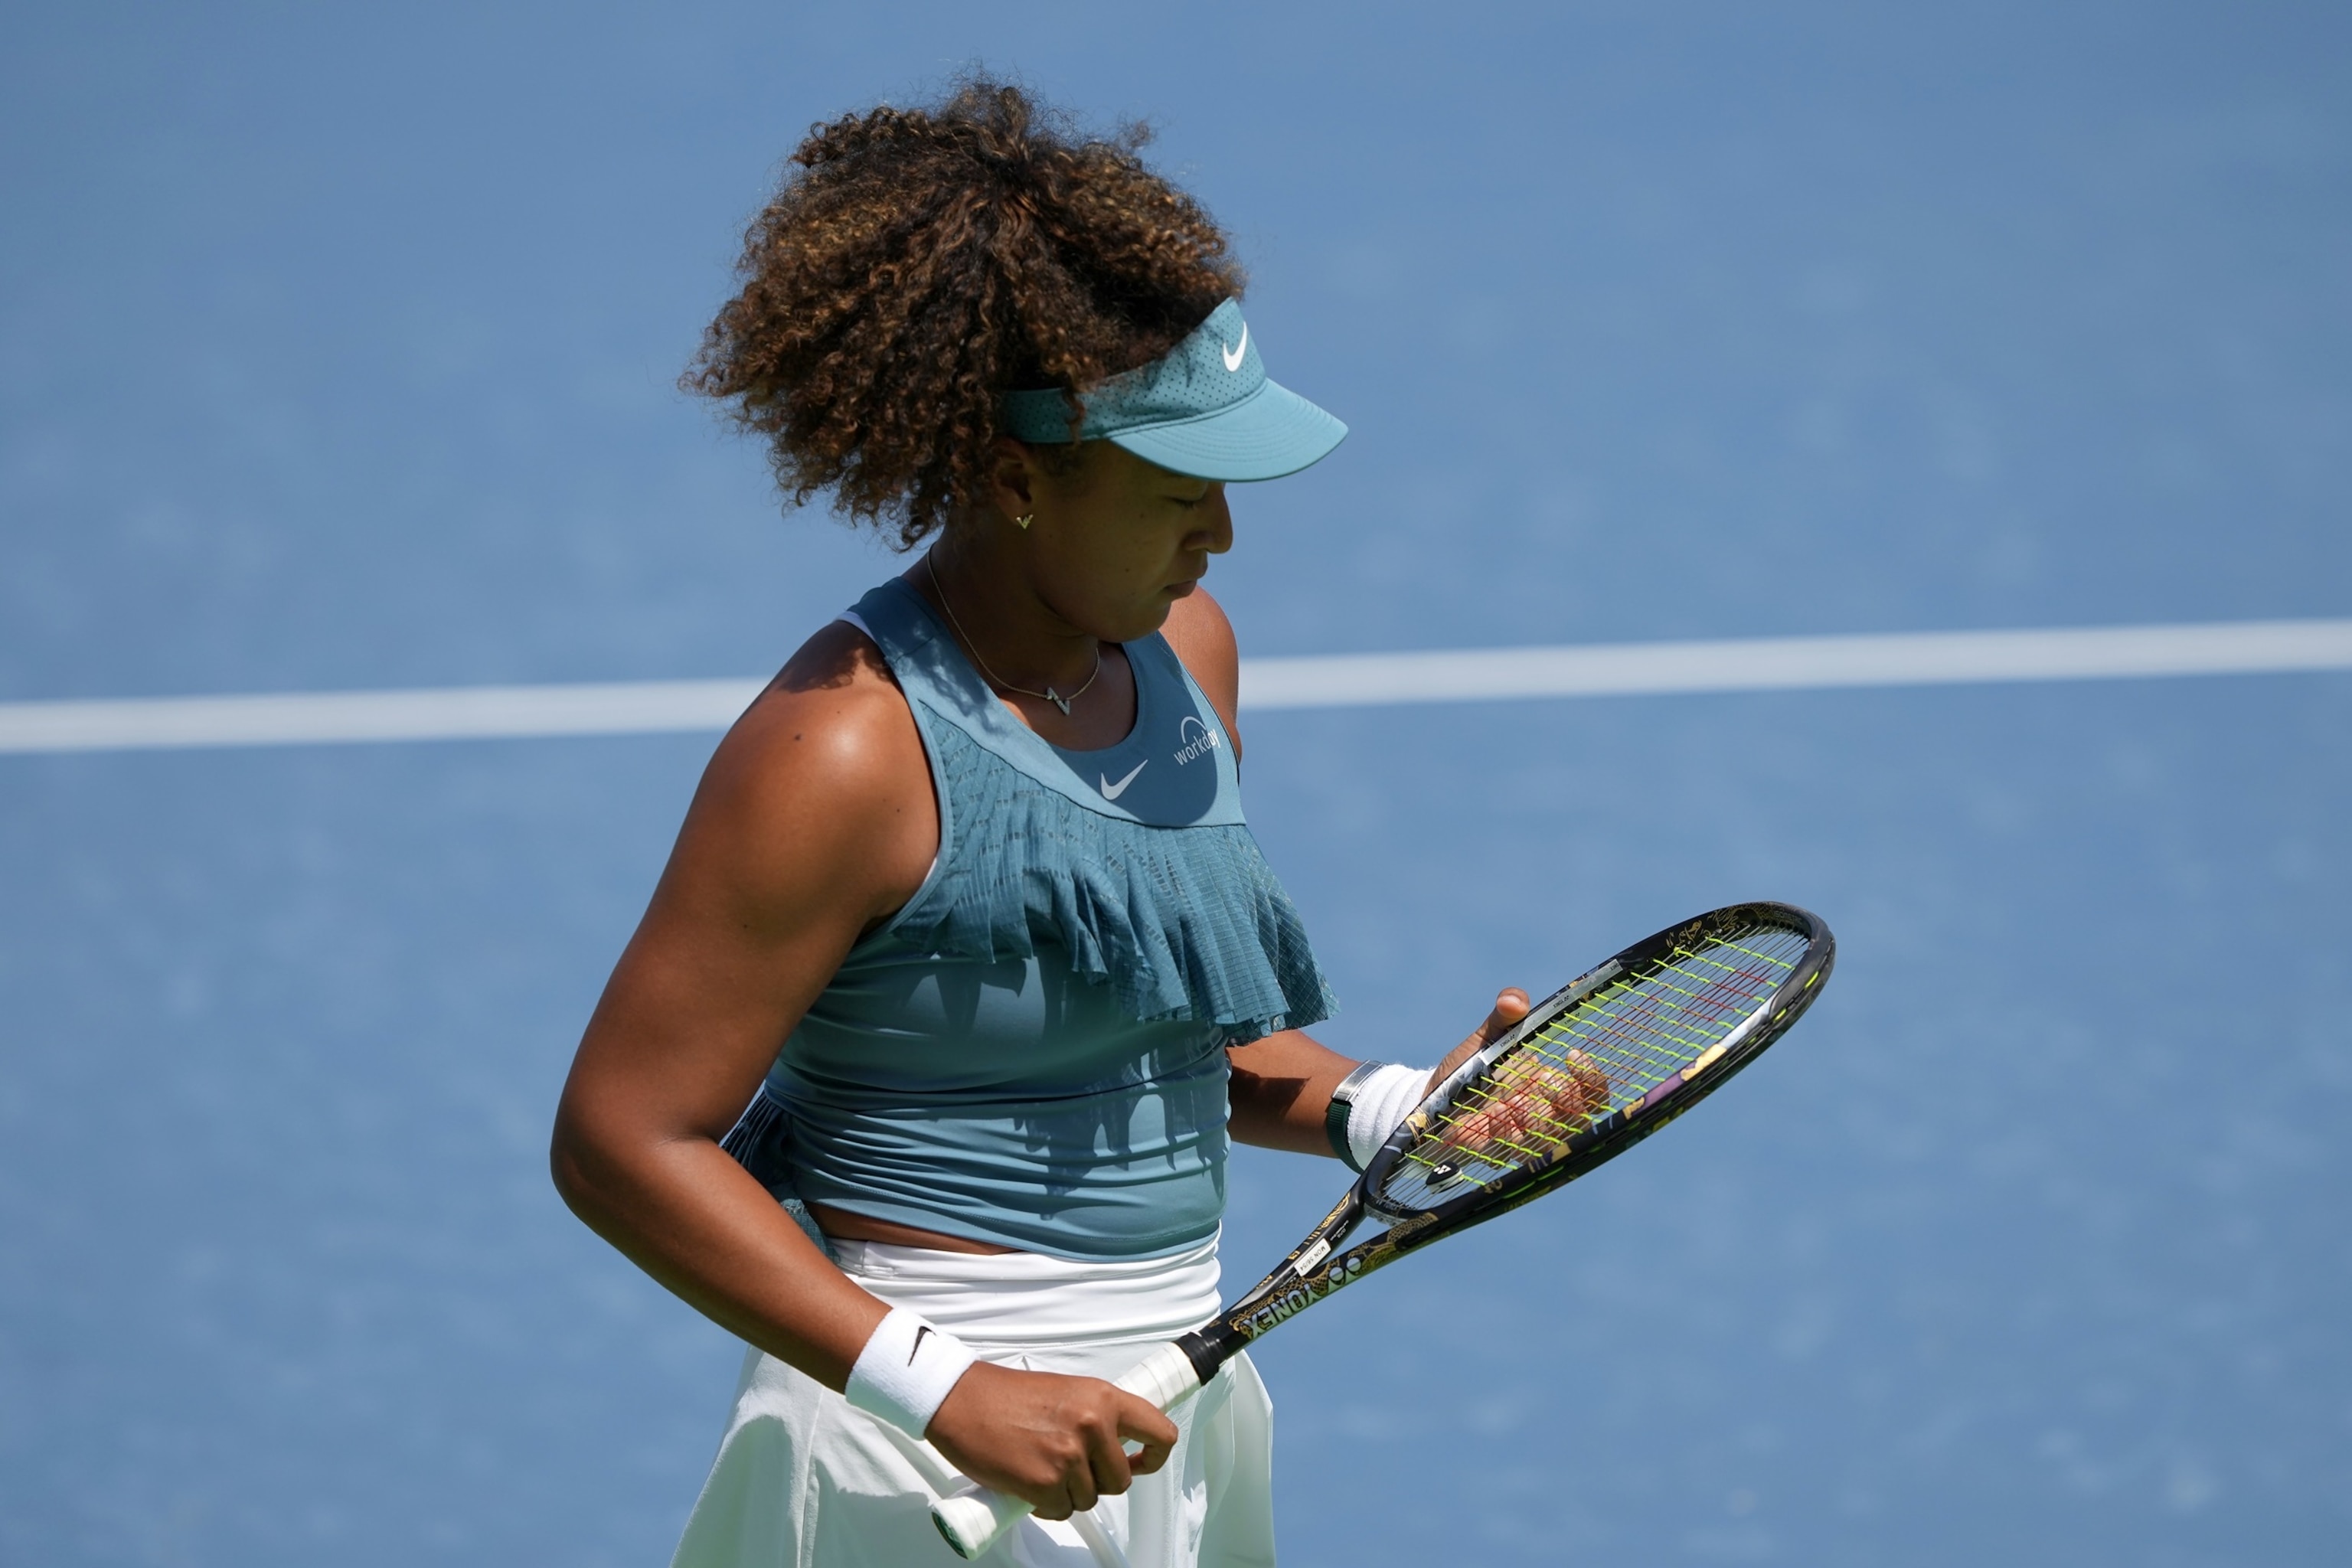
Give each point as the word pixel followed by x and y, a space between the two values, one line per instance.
pixel 1281 1085
pixel 815 821
pixel 809 826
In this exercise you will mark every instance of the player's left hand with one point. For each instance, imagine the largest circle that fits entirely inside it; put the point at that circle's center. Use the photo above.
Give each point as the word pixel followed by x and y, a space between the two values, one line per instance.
pixel 1511 1005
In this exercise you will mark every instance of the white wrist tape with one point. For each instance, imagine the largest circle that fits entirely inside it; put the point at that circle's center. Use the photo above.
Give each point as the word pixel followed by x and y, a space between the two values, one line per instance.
pixel 904 1373
pixel 1382 1102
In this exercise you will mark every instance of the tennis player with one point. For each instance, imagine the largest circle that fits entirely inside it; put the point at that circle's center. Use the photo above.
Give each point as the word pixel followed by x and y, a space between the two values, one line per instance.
pixel 965 908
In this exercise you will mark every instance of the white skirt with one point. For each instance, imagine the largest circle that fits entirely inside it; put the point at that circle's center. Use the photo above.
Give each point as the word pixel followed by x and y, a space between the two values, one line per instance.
pixel 804 1480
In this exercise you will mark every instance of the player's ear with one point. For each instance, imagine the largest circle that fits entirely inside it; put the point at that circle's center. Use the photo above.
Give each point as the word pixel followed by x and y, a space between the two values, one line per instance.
pixel 1013 476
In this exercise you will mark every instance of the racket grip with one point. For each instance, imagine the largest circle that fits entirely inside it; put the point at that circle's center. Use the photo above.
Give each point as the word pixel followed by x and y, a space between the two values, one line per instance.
pixel 974 1518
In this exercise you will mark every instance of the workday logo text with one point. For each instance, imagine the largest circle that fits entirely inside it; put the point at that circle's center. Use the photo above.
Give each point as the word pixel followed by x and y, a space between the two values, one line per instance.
pixel 1195 738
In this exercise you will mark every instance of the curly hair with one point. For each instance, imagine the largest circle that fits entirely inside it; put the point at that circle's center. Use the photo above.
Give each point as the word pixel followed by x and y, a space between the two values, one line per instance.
pixel 917 263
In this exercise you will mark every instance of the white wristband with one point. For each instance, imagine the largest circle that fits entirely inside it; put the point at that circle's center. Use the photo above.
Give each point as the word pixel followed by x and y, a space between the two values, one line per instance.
pixel 1382 1101
pixel 904 1373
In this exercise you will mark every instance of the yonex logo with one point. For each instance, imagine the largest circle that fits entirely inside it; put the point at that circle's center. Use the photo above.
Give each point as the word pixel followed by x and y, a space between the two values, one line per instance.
pixel 1290 1303
pixel 1233 355
pixel 1193 737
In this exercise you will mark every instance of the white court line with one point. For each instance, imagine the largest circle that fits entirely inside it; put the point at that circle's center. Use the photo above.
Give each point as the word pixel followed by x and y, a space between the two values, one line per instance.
pixel 311 718
pixel 1340 681
pixel 1795 664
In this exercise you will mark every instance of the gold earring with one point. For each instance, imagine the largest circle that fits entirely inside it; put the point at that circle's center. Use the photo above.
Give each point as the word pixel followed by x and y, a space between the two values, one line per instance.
pixel 1024 520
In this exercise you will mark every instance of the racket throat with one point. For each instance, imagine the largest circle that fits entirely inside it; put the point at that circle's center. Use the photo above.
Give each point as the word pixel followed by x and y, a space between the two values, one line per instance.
pixel 1405 1226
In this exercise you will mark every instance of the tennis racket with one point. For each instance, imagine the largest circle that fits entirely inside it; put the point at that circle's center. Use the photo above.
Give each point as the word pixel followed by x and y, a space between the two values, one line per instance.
pixel 1597 1066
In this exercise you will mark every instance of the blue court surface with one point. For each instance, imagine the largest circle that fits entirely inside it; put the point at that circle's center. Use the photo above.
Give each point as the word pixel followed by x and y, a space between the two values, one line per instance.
pixel 336 353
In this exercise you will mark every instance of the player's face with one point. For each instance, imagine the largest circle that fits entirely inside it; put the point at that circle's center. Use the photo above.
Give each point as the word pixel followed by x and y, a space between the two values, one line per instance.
pixel 1116 541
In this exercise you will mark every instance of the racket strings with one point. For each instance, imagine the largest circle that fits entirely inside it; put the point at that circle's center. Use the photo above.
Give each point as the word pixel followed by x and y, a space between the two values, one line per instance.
pixel 1607 1051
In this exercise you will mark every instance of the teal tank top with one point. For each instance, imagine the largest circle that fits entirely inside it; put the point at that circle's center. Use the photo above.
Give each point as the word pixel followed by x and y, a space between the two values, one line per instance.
pixel 1031 1051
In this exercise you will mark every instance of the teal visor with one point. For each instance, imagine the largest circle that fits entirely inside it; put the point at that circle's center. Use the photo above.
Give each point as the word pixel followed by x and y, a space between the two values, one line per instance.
pixel 1204 408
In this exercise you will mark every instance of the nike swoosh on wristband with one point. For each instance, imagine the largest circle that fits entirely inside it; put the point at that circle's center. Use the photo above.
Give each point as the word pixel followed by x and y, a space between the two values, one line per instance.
pixel 921 1331
pixel 1233 354
pixel 1113 791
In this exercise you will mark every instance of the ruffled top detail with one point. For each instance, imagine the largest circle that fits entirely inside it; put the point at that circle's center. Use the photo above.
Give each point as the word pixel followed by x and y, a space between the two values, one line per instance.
pixel 1134 860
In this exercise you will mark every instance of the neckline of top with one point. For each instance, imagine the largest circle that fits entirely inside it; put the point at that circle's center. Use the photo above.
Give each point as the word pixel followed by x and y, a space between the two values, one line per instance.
pixel 1143 695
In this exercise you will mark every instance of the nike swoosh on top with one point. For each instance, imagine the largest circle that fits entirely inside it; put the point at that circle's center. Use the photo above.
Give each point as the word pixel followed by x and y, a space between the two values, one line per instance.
pixel 1113 791
pixel 1233 354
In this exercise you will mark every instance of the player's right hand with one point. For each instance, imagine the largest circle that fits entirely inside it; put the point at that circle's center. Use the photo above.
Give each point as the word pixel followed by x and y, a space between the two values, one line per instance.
pixel 1056 1443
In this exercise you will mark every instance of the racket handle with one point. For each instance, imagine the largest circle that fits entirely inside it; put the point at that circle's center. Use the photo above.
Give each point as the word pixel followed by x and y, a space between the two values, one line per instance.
pixel 974 1518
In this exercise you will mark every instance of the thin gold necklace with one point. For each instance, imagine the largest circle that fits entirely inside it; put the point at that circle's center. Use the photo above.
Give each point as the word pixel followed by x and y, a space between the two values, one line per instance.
pixel 1049 694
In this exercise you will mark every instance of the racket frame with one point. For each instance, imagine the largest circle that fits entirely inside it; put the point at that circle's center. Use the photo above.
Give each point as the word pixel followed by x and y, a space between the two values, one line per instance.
pixel 1316 1267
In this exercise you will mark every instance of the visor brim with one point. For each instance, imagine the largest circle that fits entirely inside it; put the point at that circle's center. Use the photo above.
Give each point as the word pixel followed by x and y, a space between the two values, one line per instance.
pixel 1271 432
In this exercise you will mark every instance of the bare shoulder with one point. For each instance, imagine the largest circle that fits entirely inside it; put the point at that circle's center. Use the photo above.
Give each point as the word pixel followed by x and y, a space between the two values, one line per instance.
pixel 1204 639
pixel 821 789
